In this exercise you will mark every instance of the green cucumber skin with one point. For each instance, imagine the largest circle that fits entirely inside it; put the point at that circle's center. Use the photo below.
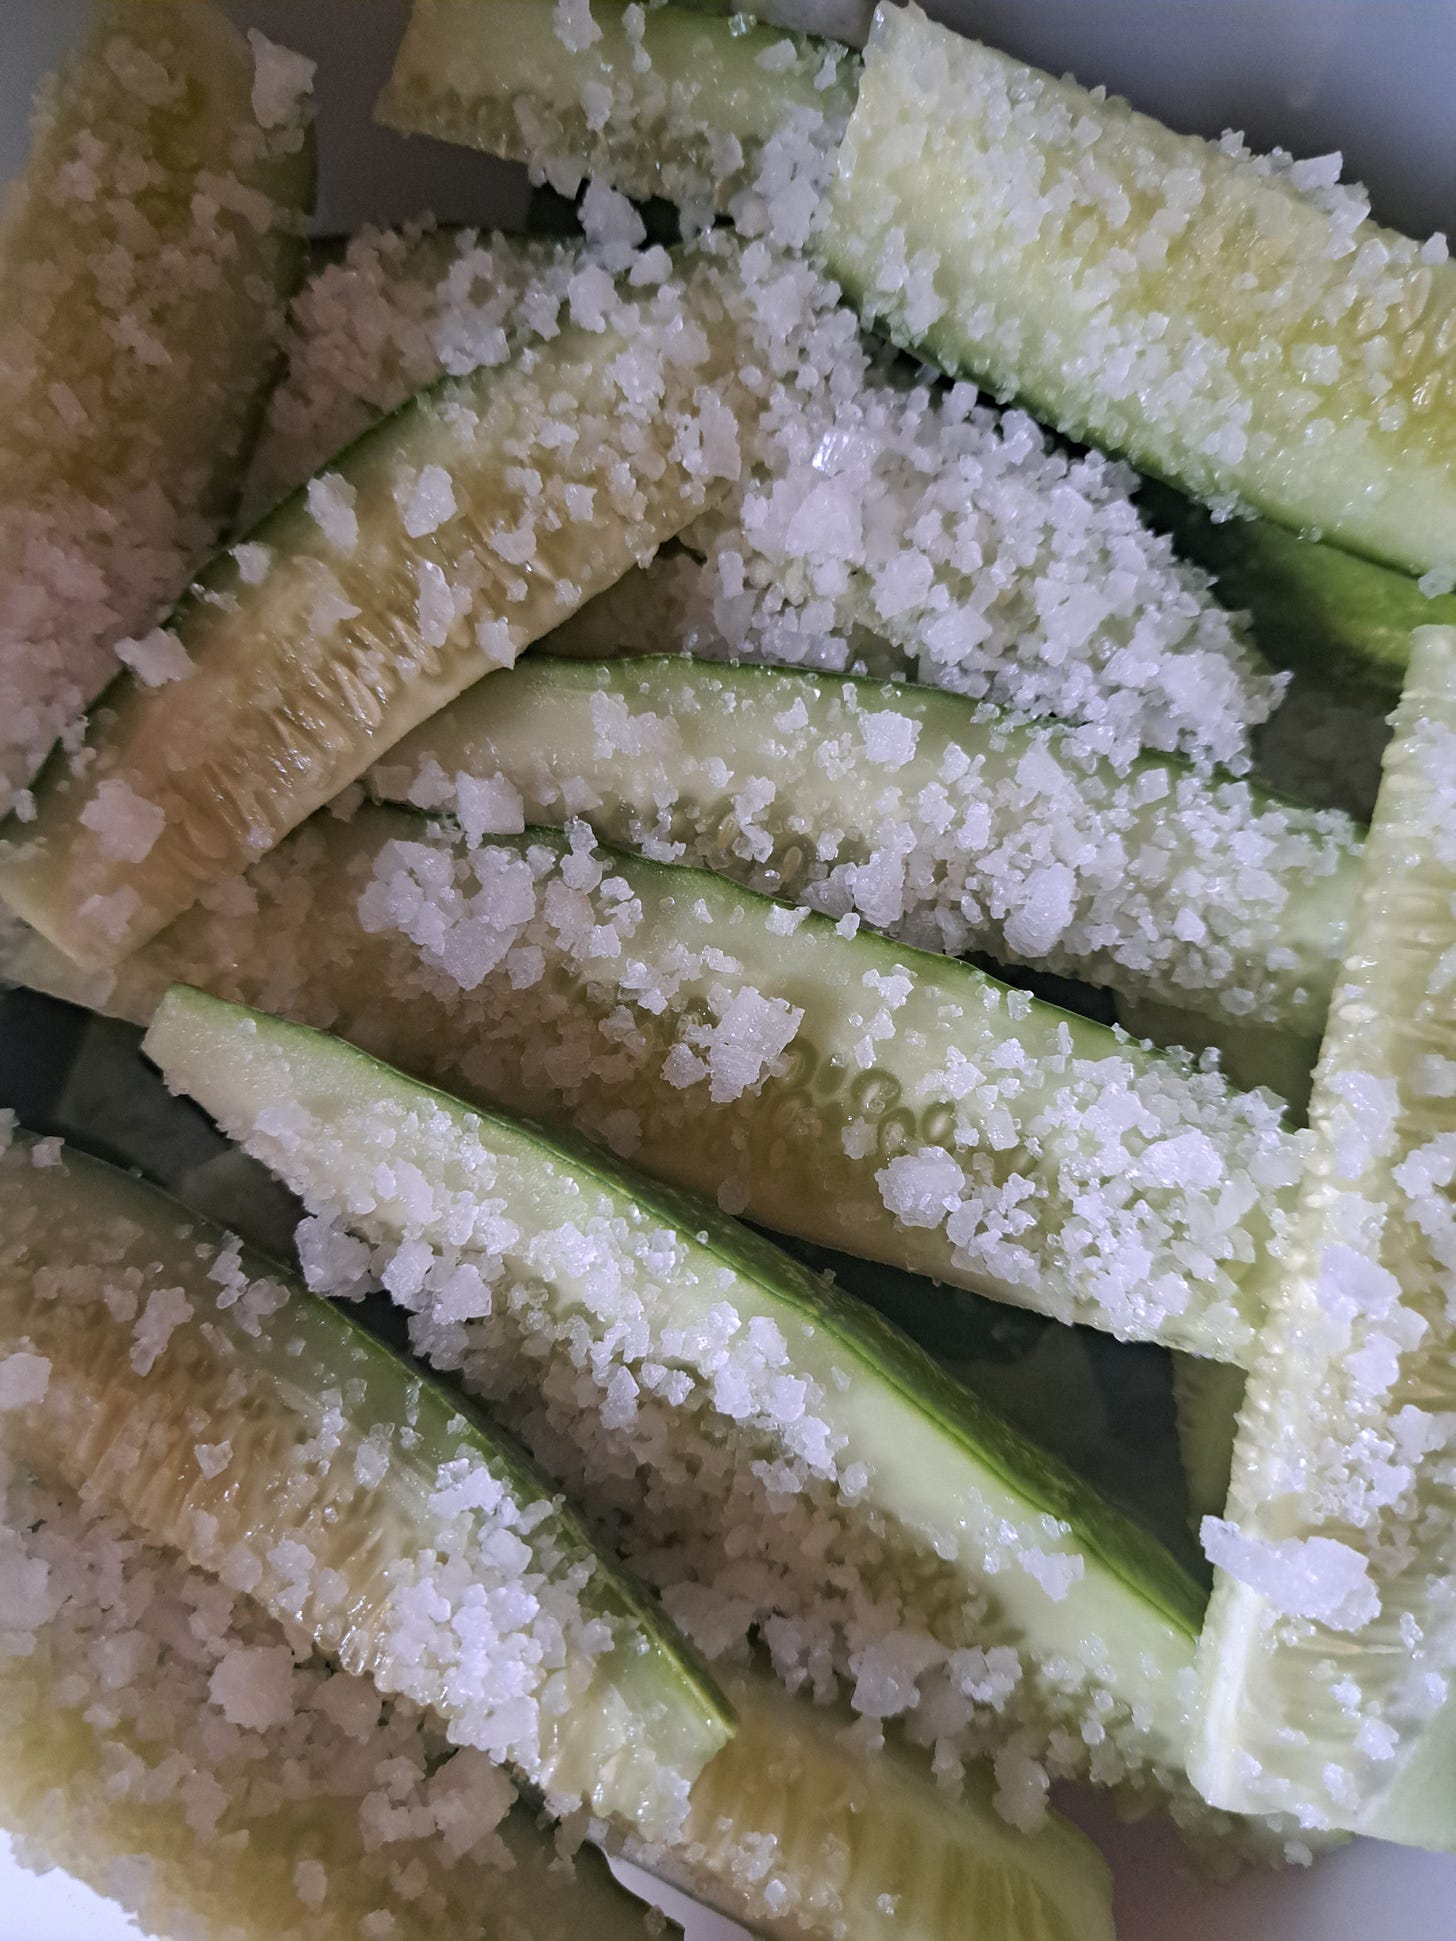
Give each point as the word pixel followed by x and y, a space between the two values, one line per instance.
pixel 1022 341
pixel 332 972
pixel 1315 608
pixel 77 1206
pixel 1207 1396
pixel 539 729
pixel 934 1449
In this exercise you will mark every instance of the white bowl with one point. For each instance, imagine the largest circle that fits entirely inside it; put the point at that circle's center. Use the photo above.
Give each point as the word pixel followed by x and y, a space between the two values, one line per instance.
pixel 1371 77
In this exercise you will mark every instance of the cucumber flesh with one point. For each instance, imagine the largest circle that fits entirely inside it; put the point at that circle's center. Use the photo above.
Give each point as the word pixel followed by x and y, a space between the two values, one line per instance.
pixel 1212 316
pixel 870 1845
pixel 677 102
pixel 683 1375
pixel 1315 609
pixel 1249 1055
pixel 945 821
pixel 442 542
pixel 270 1439
pixel 165 1743
pixel 1331 1640
pixel 388 314
pixel 1163 1225
pixel 147 255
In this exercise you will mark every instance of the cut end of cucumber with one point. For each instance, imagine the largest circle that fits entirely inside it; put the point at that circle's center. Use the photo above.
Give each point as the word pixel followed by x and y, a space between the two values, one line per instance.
pixel 267 1436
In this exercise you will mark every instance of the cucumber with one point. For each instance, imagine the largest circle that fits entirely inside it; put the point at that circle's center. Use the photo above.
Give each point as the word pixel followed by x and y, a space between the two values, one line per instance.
pixel 1207 1396
pixel 773 1454
pixel 1162 1224
pixel 443 542
pixel 1229 323
pixel 147 255
pixel 945 821
pixel 1330 1646
pixel 1249 1055
pixel 1315 609
pixel 817 1837
pixel 668 101
pixel 134 1760
pixel 388 312
pixel 264 1434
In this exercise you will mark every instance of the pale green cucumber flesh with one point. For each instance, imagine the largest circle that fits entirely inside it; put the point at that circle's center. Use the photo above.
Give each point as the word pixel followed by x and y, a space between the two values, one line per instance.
pixel 311 653
pixel 662 747
pixel 870 1843
pixel 1150 293
pixel 265 1369
pixel 1329 1650
pixel 802 1149
pixel 940 1464
pixel 1315 608
pixel 1249 1055
pixel 85 1783
pixel 688 124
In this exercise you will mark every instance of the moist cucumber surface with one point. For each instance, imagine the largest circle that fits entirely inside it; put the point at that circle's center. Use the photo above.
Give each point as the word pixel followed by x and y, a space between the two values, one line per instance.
pixel 747 1376
pixel 273 1441
pixel 842 1088
pixel 165 1743
pixel 442 542
pixel 1331 1640
pixel 672 101
pixel 871 1843
pixel 946 821
pixel 1232 324
pixel 171 160
pixel 1207 1396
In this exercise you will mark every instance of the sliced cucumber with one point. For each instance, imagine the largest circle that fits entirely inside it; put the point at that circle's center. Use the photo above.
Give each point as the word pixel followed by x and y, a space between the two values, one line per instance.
pixel 270 1439
pixel 1317 610
pixel 388 312
pixel 1082 1175
pixel 147 255
pixel 442 543
pixel 667 101
pixel 1222 320
pixel 1207 1396
pixel 946 821
pixel 1331 1643
pixel 774 1454
pixel 1249 1055
pixel 812 1836
pixel 163 1744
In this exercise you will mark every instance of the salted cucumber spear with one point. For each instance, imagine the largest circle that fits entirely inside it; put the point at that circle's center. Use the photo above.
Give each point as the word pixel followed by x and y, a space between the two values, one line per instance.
pixel 167 1744
pixel 844 1088
pixel 266 1436
pixel 746 1373
pixel 1232 324
pixel 147 255
pixel 1330 1648
pixel 437 547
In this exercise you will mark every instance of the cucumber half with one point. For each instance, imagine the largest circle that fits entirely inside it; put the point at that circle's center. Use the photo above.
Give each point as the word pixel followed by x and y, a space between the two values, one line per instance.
pixel 843 1088
pixel 943 820
pixel 270 1439
pixel 147 255
pixel 670 101
pixel 166 1743
pixel 1230 323
pixel 1330 1646
pixel 441 543
pixel 773 1454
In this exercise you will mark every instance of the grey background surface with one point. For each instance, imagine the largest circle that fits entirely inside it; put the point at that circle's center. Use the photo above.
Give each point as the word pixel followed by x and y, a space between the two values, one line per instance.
pixel 1375 78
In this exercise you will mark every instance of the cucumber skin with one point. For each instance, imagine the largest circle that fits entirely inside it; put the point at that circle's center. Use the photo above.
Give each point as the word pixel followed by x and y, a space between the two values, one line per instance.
pixel 84 1435
pixel 1315 608
pixel 1392 512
